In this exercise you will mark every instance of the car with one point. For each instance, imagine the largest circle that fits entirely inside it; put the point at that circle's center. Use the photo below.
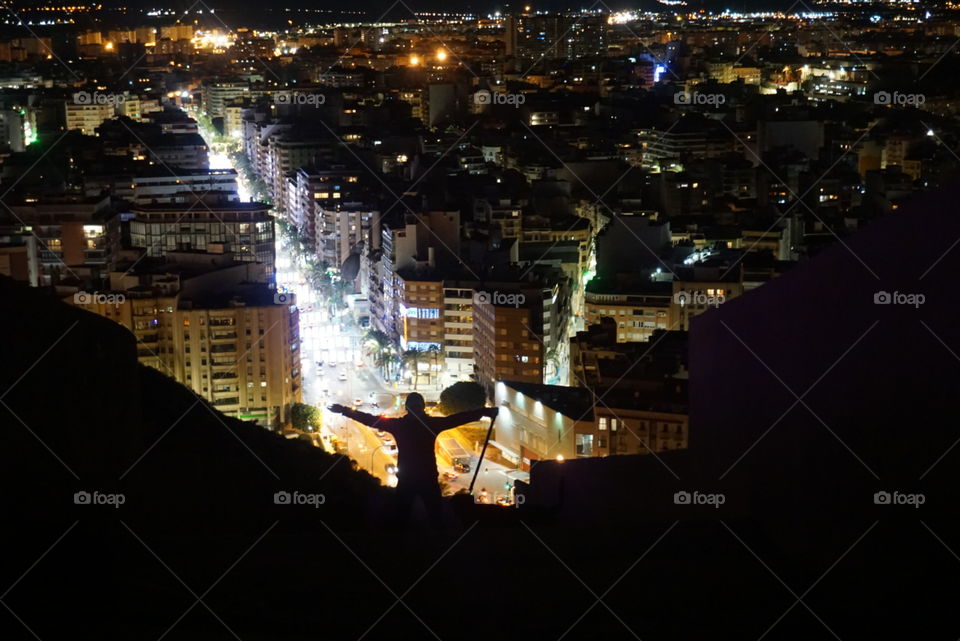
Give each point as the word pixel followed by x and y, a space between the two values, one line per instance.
pixel 451 476
pixel 319 363
pixel 504 500
pixel 342 377
pixel 358 401
pixel 331 363
pixel 325 391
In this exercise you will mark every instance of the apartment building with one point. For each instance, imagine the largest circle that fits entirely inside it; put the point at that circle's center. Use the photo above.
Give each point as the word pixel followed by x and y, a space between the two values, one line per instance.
pixel 638 308
pixel 215 96
pixel 228 340
pixel 75 239
pixel 322 204
pixel 507 343
pixel 87 117
pixel 536 229
pixel 247 229
pixel 700 289
pixel 285 153
pixel 158 186
pixel 458 332
pixel 181 151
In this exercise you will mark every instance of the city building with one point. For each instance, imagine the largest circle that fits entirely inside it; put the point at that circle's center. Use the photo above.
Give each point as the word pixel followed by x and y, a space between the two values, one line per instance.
pixel 507 338
pixel 206 321
pixel 246 228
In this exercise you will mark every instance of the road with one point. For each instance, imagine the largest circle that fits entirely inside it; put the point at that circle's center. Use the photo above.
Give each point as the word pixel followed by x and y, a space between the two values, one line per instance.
pixel 334 371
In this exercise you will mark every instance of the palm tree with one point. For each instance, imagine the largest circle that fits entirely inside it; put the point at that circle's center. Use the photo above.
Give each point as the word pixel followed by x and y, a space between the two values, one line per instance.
pixel 434 351
pixel 393 363
pixel 412 357
pixel 379 343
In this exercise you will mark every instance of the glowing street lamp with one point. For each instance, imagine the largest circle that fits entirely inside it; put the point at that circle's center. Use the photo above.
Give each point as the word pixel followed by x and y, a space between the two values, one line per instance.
pixel 414 61
pixel 441 55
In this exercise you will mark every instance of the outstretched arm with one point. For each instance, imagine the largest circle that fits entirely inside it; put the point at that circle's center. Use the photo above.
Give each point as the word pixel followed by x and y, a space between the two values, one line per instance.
pixel 370 420
pixel 462 418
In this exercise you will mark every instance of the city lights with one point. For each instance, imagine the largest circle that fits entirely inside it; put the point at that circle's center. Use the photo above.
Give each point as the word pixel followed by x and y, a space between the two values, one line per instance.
pixel 503 308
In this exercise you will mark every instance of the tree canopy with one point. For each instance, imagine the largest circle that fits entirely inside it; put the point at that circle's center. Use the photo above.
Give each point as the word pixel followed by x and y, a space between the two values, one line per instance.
pixel 461 397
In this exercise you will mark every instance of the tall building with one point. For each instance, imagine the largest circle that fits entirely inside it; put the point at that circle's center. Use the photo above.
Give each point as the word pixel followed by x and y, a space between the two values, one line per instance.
pixel 458 332
pixel 215 96
pixel 507 343
pixel 159 186
pixel 74 236
pixel 87 117
pixel 247 229
pixel 213 328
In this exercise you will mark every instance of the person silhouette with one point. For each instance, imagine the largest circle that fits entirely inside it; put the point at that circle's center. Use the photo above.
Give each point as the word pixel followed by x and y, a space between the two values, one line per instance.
pixel 416 433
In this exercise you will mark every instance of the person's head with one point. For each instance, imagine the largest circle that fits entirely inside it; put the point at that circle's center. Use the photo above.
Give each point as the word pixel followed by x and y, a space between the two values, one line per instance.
pixel 415 403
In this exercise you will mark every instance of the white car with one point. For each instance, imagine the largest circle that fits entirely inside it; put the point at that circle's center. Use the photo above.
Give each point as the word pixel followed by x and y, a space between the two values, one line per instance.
pixel 342 377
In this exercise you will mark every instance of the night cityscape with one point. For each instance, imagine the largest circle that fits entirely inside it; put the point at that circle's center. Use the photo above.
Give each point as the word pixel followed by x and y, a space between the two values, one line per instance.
pixel 478 321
